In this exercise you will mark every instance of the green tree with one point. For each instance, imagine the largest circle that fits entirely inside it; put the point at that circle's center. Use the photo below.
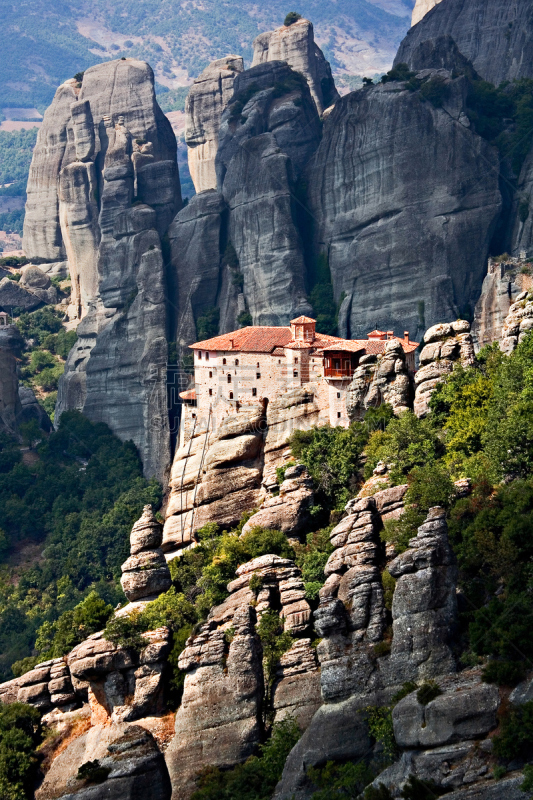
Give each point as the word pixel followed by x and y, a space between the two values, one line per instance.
pixel 20 728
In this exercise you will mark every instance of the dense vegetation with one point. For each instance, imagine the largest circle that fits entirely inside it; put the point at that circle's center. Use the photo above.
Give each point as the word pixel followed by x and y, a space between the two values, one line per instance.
pixel 47 345
pixel 15 156
pixel 68 512
pixel 20 733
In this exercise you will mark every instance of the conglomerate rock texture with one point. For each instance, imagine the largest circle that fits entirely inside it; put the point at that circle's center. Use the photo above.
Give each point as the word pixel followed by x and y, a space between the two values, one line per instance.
pixel 431 216
pixel 103 188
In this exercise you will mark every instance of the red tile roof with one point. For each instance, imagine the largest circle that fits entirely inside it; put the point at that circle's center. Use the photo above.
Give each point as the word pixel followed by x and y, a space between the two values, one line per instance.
pixel 259 339
pixel 190 394
pixel 301 320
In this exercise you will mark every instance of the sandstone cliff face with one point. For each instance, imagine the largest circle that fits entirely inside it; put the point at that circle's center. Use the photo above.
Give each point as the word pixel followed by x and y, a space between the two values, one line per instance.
pixel 296 45
pixel 500 289
pixel 380 227
pixel 118 191
pixel 206 100
pixel 496 37
pixel 518 322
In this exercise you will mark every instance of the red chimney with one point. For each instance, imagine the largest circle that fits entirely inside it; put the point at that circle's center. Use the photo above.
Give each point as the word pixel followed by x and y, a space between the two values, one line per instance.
pixel 390 334
pixel 406 336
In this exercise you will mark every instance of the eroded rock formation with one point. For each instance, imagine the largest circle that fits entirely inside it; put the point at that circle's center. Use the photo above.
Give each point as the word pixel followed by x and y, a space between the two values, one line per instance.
pixel 380 379
pixel 518 322
pixel 421 9
pixel 145 574
pixel 296 45
pixel 289 510
pixel 445 345
pixel 10 350
pixel 206 100
pixel 103 189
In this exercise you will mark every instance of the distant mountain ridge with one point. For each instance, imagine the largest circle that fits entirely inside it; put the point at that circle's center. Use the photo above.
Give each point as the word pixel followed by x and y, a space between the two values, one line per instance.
pixel 45 44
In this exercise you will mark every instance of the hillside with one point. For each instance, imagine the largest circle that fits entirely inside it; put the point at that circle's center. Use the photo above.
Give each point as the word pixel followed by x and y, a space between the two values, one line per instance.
pixel 45 44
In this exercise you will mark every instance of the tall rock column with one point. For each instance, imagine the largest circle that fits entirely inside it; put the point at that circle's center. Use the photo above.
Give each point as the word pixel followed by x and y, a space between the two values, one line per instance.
pixel 117 189
pixel 207 98
pixel 296 45
pixel 445 345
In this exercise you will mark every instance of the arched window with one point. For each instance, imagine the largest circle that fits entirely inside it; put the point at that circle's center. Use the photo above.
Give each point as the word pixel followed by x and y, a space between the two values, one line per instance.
pixel 231 395
pixel 236 362
pixel 223 360
pixel 229 378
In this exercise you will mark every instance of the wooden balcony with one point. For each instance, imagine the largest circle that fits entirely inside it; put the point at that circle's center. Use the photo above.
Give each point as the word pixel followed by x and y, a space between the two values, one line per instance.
pixel 340 374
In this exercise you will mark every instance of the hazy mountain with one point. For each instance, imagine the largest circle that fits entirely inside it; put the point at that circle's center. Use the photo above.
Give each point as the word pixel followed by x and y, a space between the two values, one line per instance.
pixel 43 43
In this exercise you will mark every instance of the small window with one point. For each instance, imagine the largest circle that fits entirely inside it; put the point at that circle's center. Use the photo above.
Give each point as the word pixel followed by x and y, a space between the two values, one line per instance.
pixel 224 361
pixel 207 356
pixel 257 365
pixel 258 375
pixel 231 395
pixel 194 416
pixel 236 362
pixel 211 375
pixel 295 373
pixel 199 355
pixel 279 360
pixel 338 414
pixel 210 392
pixel 296 360
pixel 338 395
pixel 254 392
pixel 229 378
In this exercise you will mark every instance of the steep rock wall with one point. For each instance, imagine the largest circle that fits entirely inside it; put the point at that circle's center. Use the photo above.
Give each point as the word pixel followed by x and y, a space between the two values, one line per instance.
pixel 118 190
pixel 398 189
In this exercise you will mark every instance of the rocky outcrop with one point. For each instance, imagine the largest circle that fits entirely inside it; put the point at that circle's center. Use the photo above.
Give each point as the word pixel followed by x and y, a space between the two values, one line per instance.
pixel 205 102
pixel 380 379
pixel 220 720
pixel 32 410
pixel 351 619
pixel 215 477
pixel 145 574
pixel 13 295
pixel 497 38
pixel 445 345
pixel 424 606
pixel 10 350
pixel 123 684
pixel 289 510
pixel 518 322
pixel 423 218
pixel 126 762
pixel 38 283
pixel 48 685
pixel 296 45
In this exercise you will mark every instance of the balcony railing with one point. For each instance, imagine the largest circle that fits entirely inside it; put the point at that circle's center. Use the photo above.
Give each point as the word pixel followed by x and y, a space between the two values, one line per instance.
pixel 329 372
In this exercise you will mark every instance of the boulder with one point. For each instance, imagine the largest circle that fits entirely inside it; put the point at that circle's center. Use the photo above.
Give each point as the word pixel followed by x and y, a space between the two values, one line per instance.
pixel 13 295
pixel 290 510
pixel 145 573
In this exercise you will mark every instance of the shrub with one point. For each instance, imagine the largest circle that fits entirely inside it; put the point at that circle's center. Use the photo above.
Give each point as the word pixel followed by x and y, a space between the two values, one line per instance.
pixel 93 772
pixel 379 719
pixel 207 324
pixel 333 458
pixel 244 319
pixel 127 631
pixel 504 673
pixel 407 688
pixel 275 642
pixel 416 789
pixel 291 18
pixel 516 737
pixel 428 691
pixel 389 584
pixel 339 780
pixel 400 72
pixel 435 91
pixel 20 731
pixel 55 639
pixel 406 443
